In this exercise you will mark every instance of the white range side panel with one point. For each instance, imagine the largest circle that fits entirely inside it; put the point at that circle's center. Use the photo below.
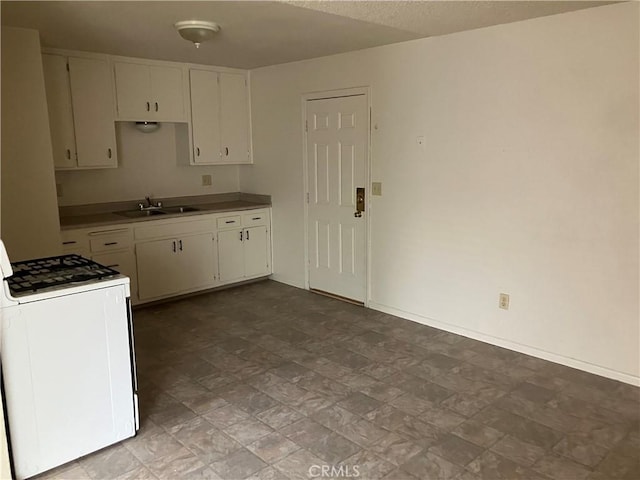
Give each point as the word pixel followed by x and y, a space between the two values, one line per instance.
pixel 68 377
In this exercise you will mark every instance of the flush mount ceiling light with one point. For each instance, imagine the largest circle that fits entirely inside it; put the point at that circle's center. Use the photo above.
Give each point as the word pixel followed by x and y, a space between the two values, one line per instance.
pixel 197 31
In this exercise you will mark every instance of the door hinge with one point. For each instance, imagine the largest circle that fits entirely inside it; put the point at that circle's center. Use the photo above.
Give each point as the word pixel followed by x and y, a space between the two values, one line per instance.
pixel 67 66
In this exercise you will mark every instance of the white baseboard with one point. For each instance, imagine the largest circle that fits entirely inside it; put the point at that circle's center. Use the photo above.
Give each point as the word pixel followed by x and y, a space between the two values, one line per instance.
pixel 517 347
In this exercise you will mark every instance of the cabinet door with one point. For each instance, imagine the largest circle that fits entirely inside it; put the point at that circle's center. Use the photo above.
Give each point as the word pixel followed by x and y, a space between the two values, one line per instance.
pixel 230 255
pixel 167 93
pixel 234 118
pixel 205 120
pixel 196 261
pixel 123 262
pixel 133 91
pixel 256 251
pixel 92 101
pixel 63 140
pixel 158 268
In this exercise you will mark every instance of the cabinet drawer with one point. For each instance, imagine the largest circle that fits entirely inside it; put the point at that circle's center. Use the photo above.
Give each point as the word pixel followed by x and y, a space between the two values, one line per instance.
pixel 255 219
pixel 109 240
pixel 75 242
pixel 120 261
pixel 232 221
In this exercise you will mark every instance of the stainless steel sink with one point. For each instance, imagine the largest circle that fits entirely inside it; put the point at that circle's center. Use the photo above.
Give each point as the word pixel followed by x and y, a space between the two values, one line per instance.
pixel 140 213
pixel 182 209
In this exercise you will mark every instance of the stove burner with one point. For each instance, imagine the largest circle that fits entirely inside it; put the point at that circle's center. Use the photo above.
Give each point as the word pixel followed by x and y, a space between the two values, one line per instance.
pixel 34 275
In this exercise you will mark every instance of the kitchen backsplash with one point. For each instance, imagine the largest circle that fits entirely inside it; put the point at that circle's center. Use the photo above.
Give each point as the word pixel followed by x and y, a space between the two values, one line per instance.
pixel 147 165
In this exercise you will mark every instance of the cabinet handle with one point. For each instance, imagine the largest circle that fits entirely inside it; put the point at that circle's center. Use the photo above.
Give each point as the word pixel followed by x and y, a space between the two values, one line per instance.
pixel 256 218
pixel 69 242
pixel 114 265
pixel 247 235
pixel 68 154
pixel 241 235
pixel 180 243
pixel 198 151
pixel 148 107
pixel 174 246
pixel 226 151
pixel 230 221
pixel 156 106
pixel 110 243
pixel 109 152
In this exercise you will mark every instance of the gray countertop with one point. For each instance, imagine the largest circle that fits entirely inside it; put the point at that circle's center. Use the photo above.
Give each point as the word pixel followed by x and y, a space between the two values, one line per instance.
pixel 97 215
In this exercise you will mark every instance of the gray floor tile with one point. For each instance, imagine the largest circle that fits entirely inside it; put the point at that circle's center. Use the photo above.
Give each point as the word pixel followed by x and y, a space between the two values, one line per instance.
pixel 273 447
pixel 240 464
pixel 396 449
pixel 279 416
pixel 432 467
pixel 359 403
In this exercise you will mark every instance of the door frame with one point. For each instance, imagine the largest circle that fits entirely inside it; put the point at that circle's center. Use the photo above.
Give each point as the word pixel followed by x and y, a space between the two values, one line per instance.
pixel 323 95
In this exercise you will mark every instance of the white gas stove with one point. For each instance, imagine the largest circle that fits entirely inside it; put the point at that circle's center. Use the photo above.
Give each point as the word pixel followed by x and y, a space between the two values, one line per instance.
pixel 68 360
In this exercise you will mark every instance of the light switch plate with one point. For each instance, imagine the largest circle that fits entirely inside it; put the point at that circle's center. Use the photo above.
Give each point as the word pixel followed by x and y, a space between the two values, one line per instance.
pixel 206 180
pixel 376 188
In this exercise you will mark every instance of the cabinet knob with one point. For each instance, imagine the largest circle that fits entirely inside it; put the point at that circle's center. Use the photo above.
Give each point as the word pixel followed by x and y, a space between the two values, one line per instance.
pixel 109 152
pixel 148 107
pixel 68 154
pixel 156 106
pixel 226 151
pixel 198 151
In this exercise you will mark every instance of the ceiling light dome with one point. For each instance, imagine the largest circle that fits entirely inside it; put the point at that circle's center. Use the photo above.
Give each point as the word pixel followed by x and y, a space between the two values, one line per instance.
pixel 197 31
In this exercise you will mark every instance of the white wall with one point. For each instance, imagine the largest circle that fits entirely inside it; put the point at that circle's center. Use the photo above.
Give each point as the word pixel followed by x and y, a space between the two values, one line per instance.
pixel 30 225
pixel 146 166
pixel 528 183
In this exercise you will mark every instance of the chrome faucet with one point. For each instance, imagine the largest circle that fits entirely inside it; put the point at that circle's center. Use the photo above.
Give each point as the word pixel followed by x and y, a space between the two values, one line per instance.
pixel 150 205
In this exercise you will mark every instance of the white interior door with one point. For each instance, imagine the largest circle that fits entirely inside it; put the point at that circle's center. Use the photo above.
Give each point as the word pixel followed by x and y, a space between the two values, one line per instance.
pixel 337 139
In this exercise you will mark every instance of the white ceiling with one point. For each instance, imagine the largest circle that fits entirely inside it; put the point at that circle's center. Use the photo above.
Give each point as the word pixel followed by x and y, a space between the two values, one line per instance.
pixel 259 33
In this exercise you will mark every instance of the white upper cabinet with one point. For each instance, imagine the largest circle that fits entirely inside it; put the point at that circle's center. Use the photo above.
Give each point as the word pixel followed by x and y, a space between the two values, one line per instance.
pixel 219 117
pixel 234 118
pixel 205 116
pixel 80 101
pixel 63 136
pixel 149 92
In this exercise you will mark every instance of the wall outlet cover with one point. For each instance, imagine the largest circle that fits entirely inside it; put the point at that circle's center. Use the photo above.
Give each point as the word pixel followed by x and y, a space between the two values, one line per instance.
pixel 206 180
pixel 503 301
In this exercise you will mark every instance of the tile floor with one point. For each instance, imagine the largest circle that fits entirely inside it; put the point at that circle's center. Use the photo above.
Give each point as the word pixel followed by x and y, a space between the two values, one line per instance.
pixel 265 381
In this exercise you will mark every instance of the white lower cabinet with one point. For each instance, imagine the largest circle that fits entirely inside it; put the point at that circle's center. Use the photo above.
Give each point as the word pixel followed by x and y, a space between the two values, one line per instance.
pixel 244 252
pixel 230 255
pixel 175 265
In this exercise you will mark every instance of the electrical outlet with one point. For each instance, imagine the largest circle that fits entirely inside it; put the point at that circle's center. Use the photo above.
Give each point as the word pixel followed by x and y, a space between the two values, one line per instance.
pixel 59 189
pixel 376 188
pixel 206 180
pixel 503 302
